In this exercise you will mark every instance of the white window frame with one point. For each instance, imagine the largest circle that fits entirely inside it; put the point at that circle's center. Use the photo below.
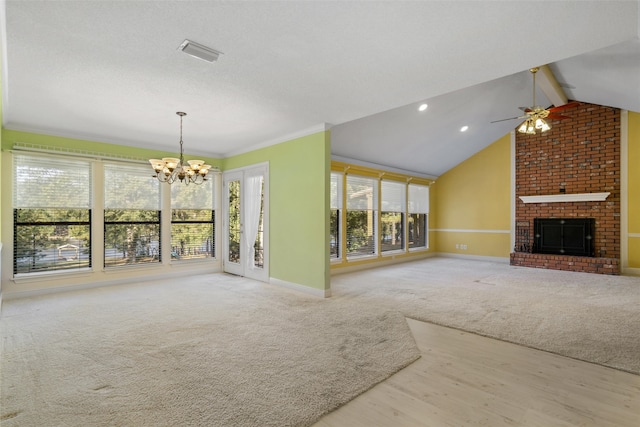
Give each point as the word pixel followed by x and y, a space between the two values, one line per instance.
pixel 402 204
pixel 336 204
pixel 418 208
pixel 64 203
pixel 208 203
pixel 373 202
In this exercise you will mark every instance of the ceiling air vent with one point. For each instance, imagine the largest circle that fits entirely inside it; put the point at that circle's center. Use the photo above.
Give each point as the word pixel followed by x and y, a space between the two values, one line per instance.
pixel 199 51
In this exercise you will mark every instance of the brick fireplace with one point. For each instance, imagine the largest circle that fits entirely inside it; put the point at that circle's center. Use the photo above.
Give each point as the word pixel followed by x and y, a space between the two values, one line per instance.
pixel 571 171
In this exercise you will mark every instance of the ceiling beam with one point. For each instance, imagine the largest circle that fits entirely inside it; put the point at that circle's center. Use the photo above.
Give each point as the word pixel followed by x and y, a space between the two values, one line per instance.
pixel 550 87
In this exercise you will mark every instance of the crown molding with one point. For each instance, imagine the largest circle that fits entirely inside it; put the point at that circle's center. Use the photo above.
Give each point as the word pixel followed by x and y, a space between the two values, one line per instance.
pixel 322 127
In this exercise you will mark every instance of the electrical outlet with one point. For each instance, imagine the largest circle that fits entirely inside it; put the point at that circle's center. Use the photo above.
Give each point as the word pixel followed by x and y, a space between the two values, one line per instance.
pixel 457 245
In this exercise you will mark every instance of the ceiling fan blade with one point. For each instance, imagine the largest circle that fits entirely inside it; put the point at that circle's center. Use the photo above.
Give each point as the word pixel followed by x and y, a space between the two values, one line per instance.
pixel 510 118
pixel 564 107
pixel 553 116
pixel 526 109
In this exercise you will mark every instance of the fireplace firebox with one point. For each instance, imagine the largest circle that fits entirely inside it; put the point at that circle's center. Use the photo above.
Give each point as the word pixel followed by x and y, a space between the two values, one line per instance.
pixel 564 236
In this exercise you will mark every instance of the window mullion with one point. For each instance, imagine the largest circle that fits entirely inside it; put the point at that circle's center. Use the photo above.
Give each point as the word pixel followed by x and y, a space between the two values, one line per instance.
pixel 97 215
pixel 165 222
pixel 378 219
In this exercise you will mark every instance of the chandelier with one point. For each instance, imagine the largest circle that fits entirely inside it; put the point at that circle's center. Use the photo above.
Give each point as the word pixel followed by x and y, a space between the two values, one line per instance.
pixel 170 169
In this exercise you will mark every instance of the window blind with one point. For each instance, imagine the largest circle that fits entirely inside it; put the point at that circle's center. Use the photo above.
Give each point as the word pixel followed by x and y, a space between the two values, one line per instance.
pixel 51 182
pixel 393 196
pixel 362 193
pixel 336 191
pixel 193 196
pixel 362 203
pixel 418 198
pixel 130 187
pixel 193 220
pixel 51 215
pixel 131 215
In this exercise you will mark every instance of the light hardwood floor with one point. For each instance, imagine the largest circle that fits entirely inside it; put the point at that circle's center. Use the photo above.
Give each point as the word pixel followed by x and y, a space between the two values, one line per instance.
pixel 463 379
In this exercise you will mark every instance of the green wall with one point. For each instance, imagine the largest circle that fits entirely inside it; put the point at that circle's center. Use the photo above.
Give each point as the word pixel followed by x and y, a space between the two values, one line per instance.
pixel 299 172
pixel 1 130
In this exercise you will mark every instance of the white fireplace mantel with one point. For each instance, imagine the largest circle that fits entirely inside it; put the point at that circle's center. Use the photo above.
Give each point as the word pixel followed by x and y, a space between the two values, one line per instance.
pixel 579 197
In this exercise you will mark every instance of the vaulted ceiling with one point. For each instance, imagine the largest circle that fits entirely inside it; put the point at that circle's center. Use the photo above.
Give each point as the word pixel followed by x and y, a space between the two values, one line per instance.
pixel 111 71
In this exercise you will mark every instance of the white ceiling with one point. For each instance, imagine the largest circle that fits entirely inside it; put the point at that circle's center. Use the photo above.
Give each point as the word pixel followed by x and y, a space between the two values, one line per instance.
pixel 110 71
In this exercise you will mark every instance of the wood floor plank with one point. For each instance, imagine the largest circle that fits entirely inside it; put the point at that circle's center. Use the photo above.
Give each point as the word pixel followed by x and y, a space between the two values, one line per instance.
pixel 463 379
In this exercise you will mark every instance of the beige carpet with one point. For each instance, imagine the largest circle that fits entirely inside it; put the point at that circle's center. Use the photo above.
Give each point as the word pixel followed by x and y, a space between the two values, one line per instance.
pixel 590 317
pixel 214 351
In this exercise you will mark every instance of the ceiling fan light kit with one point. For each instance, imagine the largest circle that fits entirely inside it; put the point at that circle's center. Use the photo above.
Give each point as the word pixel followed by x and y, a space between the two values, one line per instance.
pixel 535 116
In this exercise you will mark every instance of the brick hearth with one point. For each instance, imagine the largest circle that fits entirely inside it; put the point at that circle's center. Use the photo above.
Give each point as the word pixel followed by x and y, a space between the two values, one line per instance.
pixel 567 262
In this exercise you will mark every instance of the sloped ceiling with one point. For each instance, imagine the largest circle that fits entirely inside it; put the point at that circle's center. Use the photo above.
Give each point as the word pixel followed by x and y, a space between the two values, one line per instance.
pixel 110 71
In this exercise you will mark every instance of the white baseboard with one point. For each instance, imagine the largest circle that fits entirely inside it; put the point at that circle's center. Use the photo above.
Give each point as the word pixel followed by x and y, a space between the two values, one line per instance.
pixel 322 293
pixel 628 271
pixel 475 257
pixel 381 262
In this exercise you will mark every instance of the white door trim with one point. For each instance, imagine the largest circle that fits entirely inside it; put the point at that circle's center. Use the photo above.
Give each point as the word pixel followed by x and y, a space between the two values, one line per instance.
pixel 261 274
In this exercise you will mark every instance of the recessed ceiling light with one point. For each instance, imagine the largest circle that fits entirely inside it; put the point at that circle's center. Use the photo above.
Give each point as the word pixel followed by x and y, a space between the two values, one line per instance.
pixel 464 128
pixel 422 107
pixel 199 51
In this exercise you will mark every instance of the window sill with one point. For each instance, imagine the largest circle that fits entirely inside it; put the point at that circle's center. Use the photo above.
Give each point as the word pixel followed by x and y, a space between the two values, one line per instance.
pixel 48 275
pixel 361 257
pixel 181 262
pixel 393 253
pixel 131 267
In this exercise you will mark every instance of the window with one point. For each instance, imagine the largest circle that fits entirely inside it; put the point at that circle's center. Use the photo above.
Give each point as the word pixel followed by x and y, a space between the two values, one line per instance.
pixel 418 215
pixel 376 214
pixel 131 215
pixel 193 220
pixel 335 212
pixel 392 213
pixel 52 216
pixel 362 202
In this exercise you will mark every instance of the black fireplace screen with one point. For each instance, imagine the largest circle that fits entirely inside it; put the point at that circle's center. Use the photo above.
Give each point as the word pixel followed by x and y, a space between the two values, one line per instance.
pixel 564 236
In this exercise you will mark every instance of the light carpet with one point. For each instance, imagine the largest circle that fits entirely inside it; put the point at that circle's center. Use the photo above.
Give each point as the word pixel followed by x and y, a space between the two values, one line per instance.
pixel 215 350
pixel 591 317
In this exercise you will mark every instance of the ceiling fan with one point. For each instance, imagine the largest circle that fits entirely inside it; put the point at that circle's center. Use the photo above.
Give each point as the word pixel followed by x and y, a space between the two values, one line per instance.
pixel 535 116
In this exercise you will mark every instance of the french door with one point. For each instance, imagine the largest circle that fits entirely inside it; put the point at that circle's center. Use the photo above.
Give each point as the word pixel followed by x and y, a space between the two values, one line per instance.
pixel 246 220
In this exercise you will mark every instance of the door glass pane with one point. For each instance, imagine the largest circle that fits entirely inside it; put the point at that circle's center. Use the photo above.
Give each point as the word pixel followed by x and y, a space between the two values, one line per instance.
pixel 234 221
pixel 259 244
pixel 334 234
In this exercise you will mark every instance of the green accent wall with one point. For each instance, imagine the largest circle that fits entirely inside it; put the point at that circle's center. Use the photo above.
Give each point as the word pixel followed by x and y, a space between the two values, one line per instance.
pixel 472 204
pixel 299 172
pixel 1 131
